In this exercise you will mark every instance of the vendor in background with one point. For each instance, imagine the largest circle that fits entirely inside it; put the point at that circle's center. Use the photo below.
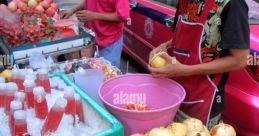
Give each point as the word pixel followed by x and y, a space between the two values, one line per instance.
pixel 210 39
pixel 106 18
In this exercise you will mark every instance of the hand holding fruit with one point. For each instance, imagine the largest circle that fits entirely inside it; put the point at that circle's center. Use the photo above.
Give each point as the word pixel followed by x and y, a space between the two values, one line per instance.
pixel 65 14
pixel 85 15
pixel 171 68
pixel 160 48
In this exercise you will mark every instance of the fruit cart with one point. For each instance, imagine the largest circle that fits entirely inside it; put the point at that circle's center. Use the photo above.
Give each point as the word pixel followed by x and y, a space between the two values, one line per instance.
pixel 21 54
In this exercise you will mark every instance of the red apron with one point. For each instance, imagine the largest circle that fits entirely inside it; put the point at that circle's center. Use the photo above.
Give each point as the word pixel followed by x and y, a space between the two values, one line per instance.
pixel 204 99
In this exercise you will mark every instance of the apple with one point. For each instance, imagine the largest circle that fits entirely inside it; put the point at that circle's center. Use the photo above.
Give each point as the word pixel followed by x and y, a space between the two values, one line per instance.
pixel 21 5
pixel 50 1
pixel 45 4
pixel 50 12
pixel 32 3
pixel 12 6
pixel 54 6
pixel 157 61
pixel 40 9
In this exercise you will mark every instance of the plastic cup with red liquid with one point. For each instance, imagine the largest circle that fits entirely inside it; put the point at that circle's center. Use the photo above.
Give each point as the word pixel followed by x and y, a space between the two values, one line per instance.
pixel 21 78
pixel 14 106
pixel 79 107
pixel 28 88
pixel 20 96
pixel 2 94
pixel 11 88
pixel 54 117
pixel 15 75
pixel 40 103
pixel 43 80
pixel 71 103
pixel 20 124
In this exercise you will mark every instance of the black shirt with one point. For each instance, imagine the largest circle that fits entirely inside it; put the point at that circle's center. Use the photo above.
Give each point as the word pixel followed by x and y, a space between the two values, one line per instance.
pixel 235 27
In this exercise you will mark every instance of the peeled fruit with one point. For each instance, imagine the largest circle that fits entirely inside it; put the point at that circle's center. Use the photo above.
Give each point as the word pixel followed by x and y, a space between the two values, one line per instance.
pixel 32 3
pixel 160 132
pixel 178 129
pixel 157 61
pixel 45 4
pixel 50 12
pixel 193 125
pixel 7 74
pixel 204 132
pixel 40 9
pixel 223 130
pixel 12 6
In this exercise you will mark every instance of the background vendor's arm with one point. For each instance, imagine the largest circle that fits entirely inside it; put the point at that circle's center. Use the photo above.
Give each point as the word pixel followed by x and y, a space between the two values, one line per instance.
pixel 67 13
pixel 121 13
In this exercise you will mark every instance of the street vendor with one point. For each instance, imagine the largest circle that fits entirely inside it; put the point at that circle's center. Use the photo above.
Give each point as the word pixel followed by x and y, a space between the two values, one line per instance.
pixel 106 18
pixel 211 38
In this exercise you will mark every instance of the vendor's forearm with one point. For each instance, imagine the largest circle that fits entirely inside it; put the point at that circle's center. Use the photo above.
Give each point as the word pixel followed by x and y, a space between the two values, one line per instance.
pixel 107 17
pixel 81 6
pixel 225 64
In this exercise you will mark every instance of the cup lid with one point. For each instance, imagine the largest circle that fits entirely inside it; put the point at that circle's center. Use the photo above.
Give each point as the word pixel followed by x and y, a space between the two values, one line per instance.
pixel 12 87
pixel 42 71
pixel 16 105
pixel 20 114
pixel 2 87
pixel 19 95
pixel 77 97
pixel 61 102
pixel 29 83
pixel 15 71
pixel 30 77
pixel 38 90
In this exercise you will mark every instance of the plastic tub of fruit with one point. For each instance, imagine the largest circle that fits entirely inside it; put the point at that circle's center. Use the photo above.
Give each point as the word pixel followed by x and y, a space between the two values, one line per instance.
pixel 141 102
pixel 93 120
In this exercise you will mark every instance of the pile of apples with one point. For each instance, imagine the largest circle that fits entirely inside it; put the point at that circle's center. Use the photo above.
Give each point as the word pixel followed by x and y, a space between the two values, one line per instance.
pixel 47 7
pixel 191 127
pixel 27 21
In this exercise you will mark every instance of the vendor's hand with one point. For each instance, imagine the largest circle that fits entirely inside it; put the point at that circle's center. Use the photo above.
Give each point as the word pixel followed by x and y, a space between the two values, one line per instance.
pixel 85 15
pixel 173 68
pixel 65 14
pixel 160 48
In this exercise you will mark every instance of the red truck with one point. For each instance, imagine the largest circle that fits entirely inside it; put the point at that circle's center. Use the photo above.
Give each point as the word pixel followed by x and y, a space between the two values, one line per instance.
pixel 150 25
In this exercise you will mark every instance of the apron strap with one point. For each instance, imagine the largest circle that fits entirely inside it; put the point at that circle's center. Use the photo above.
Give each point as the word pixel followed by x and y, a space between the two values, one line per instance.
pixel 206 11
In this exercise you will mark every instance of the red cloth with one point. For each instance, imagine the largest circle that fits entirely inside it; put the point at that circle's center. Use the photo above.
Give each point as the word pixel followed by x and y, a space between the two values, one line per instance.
pixel 108 32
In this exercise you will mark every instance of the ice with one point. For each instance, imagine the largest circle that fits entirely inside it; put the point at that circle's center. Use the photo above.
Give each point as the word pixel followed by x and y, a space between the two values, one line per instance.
pixel 36 127
pixel 69 126
pixel 4 123
pixel 51 98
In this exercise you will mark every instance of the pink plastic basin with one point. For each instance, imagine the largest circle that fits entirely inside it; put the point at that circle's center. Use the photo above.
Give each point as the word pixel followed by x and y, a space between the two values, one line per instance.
pixel 162 95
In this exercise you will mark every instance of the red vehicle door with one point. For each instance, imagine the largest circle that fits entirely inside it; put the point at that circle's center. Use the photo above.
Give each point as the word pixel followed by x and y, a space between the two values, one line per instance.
pixel 151 23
